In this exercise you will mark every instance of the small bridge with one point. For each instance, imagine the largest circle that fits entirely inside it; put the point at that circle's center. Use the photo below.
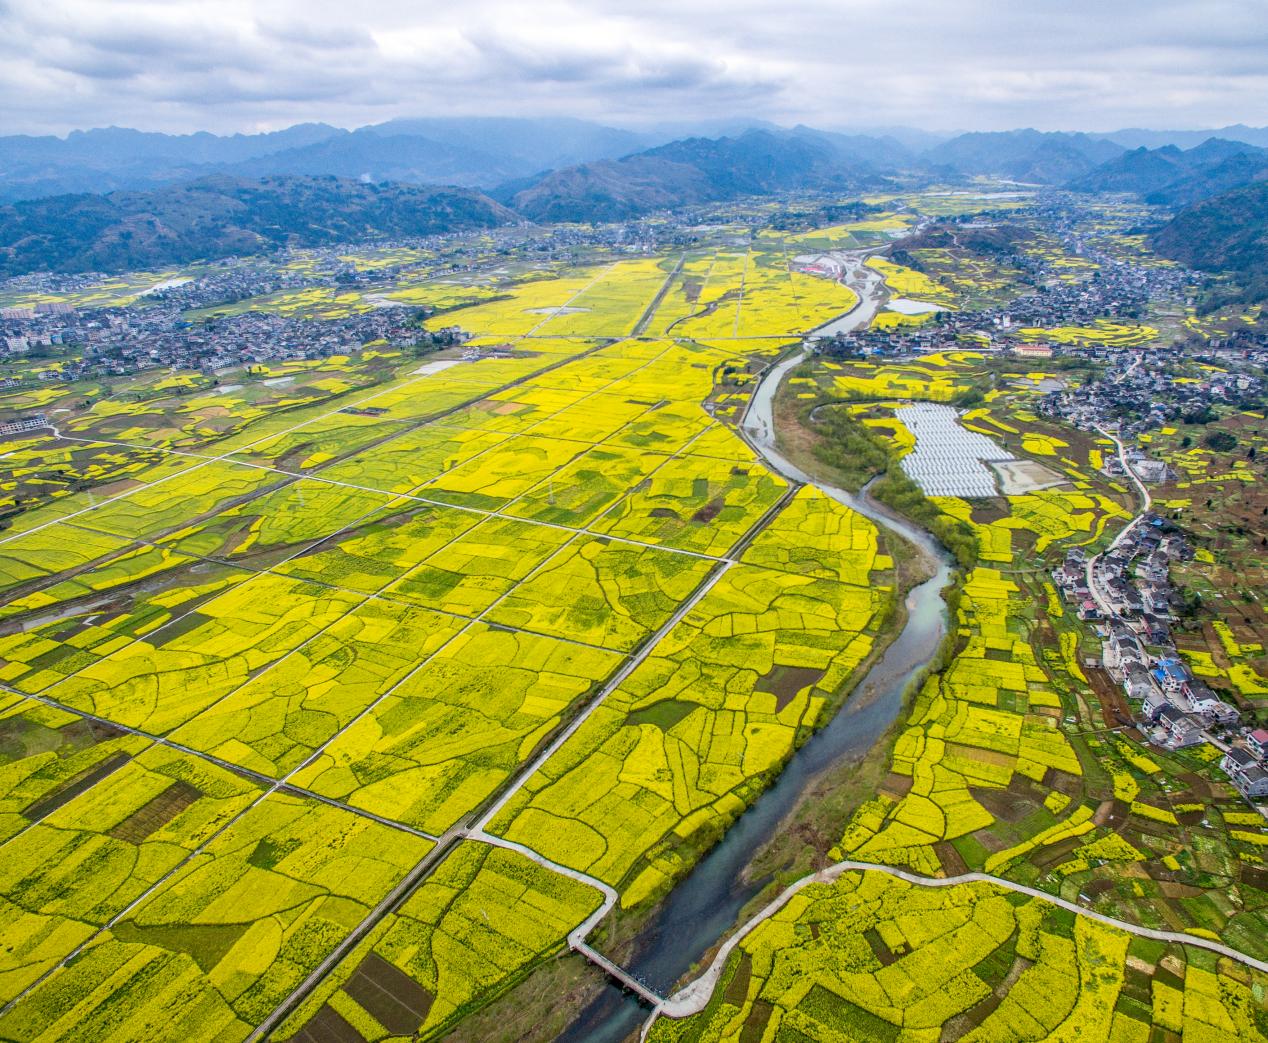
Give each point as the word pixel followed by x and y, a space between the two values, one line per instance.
pixel 619 975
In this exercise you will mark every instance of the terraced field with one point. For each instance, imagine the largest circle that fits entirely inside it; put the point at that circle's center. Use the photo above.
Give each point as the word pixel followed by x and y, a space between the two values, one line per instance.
pixel 1007 763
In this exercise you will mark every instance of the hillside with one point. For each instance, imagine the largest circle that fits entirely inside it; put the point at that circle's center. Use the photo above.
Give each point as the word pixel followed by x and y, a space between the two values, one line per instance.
pixel 1173 177
pixel 686 172
pixel 1023 155
pixel 613 190
pixel 1226 234
pixel 1233 172
pixel 220 216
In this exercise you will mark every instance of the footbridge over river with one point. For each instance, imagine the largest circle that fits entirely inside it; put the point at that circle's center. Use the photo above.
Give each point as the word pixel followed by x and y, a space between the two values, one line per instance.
pixel 620 976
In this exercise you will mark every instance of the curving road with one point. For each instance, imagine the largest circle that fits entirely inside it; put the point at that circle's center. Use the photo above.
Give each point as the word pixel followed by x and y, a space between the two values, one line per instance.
pixel 695 997
pixel 758 428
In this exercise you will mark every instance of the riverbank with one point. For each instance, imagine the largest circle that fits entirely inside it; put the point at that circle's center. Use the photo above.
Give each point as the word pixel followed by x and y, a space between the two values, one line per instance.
pixel 861 733
pixel 661 945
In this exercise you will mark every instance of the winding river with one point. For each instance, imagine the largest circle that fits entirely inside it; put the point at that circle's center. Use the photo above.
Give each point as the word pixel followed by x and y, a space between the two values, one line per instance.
pixel 707 902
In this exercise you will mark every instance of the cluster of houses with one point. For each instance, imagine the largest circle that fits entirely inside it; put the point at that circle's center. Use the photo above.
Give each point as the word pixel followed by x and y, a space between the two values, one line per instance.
pixel 1145 468
pixel 1148 397
pixel 1117 290
pixel 119 341
pixel 151 327
pixel 20 425
pixel 1133 580
pixel 1133 603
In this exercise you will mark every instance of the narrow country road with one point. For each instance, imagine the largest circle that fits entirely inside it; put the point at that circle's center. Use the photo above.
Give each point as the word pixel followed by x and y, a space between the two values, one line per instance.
pixel 695 997
pixel 1146 501
pixel 759 429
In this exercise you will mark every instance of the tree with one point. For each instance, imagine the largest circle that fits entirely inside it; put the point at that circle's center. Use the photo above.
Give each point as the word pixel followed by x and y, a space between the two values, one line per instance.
pixel 1221 441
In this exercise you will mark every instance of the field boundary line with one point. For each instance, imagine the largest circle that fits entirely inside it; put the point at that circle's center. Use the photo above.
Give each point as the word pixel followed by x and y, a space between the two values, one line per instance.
pixel 694 997
pixel 378 393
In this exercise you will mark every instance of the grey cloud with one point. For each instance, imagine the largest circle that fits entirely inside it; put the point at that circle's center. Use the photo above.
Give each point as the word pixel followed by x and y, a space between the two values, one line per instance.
pixel 250 64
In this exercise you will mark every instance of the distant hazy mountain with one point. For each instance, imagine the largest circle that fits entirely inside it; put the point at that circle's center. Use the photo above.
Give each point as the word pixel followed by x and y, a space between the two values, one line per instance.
pixel 686 172
pixel 1226 234
pixel 530 145
pixel 515 154
pixel 1187 139
pixel 1176 177
pixel 110 147
pixel 113 157
pixel 219 216
pixel 1023 155
pixel 371 156
pixel 909 137
pixel 864 150
pixel 466 151
pixel 732 127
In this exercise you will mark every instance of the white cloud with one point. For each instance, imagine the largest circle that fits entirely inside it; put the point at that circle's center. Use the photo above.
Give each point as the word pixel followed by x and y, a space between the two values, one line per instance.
pixel 238 64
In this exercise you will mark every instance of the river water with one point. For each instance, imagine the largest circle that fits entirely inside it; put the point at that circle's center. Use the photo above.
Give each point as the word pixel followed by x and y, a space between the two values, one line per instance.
pixel 865 282
pixel 706 903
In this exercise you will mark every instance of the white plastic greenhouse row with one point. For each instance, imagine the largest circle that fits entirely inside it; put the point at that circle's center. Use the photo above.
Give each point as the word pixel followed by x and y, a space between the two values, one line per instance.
pixel 948 460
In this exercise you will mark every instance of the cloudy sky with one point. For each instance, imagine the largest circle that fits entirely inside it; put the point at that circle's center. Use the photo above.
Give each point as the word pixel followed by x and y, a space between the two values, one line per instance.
pixel 232 65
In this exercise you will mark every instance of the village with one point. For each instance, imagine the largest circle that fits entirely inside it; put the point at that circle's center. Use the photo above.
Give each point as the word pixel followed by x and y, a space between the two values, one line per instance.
pixel 1126 593
pixel 1118 289
pixel 196 320
pixel 1142 398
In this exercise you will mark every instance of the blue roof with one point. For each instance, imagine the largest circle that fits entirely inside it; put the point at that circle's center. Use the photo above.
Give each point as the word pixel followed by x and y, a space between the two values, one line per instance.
pixel 1170 669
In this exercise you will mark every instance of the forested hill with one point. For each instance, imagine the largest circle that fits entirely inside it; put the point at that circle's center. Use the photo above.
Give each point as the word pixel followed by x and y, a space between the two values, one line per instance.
pixel 690 171
pixel 1172 177
pixel 1226 234
pixel 222 216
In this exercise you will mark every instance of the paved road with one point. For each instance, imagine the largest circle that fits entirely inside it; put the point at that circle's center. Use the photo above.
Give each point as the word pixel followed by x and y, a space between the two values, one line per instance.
pixel 627 668
pixel 694 997
pixel 1146 501
pixel 577 936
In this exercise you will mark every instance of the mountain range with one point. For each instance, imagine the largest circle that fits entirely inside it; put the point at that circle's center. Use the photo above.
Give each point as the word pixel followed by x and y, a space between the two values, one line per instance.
pixel 488 152
pixel 698 170
pixel 1170 176
pixel 471 152
pixel 1029 156
pixel 133 199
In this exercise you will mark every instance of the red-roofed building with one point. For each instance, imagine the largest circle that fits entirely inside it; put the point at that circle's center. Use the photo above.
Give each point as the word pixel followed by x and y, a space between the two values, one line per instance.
pixel 1257 742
